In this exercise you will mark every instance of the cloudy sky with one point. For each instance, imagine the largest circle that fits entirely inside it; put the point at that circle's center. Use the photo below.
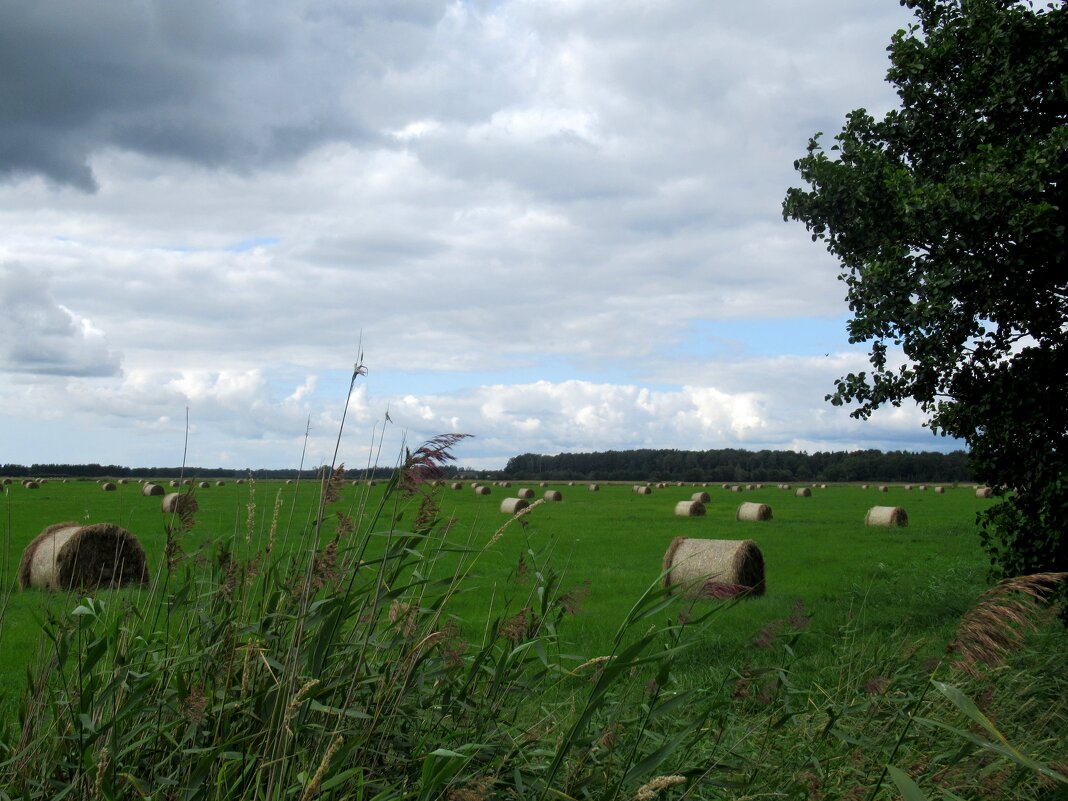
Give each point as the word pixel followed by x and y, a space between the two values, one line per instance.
pixel 553 224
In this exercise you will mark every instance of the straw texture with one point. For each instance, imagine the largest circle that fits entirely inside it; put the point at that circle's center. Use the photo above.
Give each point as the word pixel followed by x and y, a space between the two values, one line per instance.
pixel 751 512
pixel 689 509
pixel 886 516
pixel 714 568
pixel 68 555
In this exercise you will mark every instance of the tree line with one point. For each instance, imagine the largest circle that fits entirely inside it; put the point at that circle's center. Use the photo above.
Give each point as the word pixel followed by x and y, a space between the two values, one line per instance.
pixel 741 465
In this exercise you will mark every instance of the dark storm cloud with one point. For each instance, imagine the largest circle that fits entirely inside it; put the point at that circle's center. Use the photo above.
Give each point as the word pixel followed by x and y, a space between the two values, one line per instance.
pixel 235 84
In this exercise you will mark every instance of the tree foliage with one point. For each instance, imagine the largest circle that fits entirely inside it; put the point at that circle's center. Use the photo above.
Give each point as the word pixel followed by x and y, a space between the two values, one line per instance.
pixel 947 216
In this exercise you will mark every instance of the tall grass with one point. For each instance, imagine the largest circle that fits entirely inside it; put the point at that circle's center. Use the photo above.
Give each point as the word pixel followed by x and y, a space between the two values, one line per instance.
pixel 336 668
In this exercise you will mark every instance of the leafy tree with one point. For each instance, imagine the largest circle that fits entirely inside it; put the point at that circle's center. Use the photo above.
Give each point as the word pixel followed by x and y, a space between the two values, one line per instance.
pixel 948 218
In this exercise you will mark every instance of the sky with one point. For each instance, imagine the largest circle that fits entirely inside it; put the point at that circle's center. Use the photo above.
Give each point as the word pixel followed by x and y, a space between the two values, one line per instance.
pixel 554 225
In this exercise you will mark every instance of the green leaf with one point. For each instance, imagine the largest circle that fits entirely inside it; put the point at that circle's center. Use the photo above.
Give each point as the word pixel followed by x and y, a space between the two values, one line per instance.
pixel 910 791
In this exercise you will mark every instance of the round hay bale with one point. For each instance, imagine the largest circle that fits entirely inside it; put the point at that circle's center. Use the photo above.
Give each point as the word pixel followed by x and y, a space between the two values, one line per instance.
pixel 30 484
pixel 178 503
pixel 595 487
pixel 512 505
pixel 886 516
pixel 240 481
pixel 5 481
pixel 863 486
pixel 480 490
pixel 506 483
pixel 457 485
pixel 188 482
pixel 908 486
pixel 148 490
pixel 883 488
pixel 570 483
pixel 553 495
pixel 204 485
pixel 644 490
pixel 108 486
pixel 784 486
pixel 220 483
pixel 525 494
pixel 689 509
pixel 939 490
pixel 701 497
pixel 68 555
pixel 736 488
pixel 984 492
pixel 922 488
pixel 173 482
pixel 803 492
pixel 714 568
pixel 372 483
pixel 753 512
pixel 289 481
pixel 543 484
pixel 123 481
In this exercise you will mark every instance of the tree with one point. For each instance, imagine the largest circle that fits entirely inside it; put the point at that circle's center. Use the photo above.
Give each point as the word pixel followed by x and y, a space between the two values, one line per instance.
pixel 948 219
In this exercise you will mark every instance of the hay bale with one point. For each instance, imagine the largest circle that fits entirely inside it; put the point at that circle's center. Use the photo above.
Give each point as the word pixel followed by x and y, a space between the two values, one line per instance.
pixel 803 492
pixel 220 483
pixel 595 487
pixel 506 483
pixel 644 490
pixel 174 482
pixel 736 488
pixel 179 503
pixel 289 481
pixel 908 486
pixel 123 481
pixel 512 505
pixel 108 486
pixel 886 516
pixel 480 490
pixel 984 492
pixel 570 483
pixel 689 509
pixel 204 485
pixel 28 484
pixel 752 512
pixel 784 486
pixel 456 485
pixel 553 495
pixel 5 481
pixel 922 488
pixel 701 497
pixel 68 555
pixel 863 486
pixel 149 490
pixel 240 481
pixel 525 494
pixel 372 483
pixel 543 484
pixel 939 490
pixel 883 488
pixel 714 568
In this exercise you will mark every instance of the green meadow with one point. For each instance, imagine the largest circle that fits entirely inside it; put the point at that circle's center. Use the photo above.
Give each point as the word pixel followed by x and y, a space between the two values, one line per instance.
pixel 812 686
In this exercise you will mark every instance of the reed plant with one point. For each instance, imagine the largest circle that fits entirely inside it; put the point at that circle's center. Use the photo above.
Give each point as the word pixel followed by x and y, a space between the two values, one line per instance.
pixel 337 667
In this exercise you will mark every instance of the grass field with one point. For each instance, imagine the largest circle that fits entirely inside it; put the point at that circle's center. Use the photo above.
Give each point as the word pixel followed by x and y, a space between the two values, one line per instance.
pixel 848 607
pixel 917 580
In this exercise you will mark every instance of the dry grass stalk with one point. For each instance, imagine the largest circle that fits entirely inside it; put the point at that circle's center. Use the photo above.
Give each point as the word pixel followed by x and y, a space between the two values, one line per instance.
pixel 317 779
pixel 657 785
pixel 1003 615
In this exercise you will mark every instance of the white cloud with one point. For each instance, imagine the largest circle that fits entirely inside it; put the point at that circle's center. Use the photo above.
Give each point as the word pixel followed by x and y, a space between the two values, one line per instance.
pixel 507 191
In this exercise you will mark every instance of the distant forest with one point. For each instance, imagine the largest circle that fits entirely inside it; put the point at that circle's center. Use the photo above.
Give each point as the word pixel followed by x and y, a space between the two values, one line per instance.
pixel 637 465
pixel 738 465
